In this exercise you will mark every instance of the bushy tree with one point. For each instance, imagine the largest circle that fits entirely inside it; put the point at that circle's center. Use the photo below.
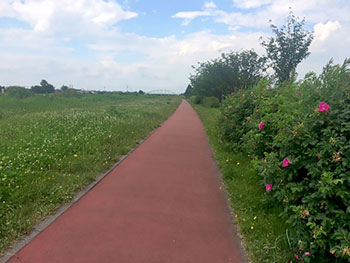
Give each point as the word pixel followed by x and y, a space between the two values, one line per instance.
pixel 228 73
pixel 288 48
pixel 44 87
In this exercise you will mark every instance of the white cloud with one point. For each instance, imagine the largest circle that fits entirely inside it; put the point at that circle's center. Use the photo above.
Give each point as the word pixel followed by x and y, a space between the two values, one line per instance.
pixel 323 31
pixel 41 14
pixel 208 10
pixel 189 16
pixel 315 11
pixel 209 5
pixel 246 4
pixel 36 13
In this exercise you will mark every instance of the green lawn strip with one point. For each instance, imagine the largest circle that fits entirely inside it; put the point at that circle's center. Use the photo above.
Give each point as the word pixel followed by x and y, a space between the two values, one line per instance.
pixel 48 155
pixel 264 232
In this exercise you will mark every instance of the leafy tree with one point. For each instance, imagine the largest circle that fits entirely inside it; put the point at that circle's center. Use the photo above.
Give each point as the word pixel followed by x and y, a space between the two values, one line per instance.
pixel 44 87
pixel 288 48
pixel 229 73
pixel 48 88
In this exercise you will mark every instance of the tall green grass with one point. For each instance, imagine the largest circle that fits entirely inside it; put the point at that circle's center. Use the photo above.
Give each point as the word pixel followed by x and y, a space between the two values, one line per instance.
pixel 53 146
pixel 264 233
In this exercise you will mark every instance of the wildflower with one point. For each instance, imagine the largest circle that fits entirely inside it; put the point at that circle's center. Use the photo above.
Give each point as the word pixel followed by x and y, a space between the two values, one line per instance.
pixel 232 93
pixel 236 215
pixel 268 188
pixel 261 125
pixel 247 118
pixel 251 227
pixel 75 155
pixel 255 218
pixel 243 219
pixel 270 88
pixel 286 162
pixel 238 164
pixel 307 253
pixel 323 107
pixel 298 94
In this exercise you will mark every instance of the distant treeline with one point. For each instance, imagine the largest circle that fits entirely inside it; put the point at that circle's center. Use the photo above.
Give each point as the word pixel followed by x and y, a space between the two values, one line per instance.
pixel 47 88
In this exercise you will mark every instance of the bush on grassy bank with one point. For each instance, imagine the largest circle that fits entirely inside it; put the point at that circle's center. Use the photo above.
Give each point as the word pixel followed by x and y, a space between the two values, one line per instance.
pixel 299 136
pixel 19 92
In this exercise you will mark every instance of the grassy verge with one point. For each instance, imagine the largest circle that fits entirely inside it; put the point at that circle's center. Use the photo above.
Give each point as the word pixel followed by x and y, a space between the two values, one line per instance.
pixel 264 232
pixel 51 147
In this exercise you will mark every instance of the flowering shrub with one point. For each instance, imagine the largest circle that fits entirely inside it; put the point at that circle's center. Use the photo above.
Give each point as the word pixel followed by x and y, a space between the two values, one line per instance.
pixel 302 150
pixel 237 109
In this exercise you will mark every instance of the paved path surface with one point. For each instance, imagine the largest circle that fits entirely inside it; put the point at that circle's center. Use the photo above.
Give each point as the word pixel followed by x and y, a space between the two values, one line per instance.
pixel 162 204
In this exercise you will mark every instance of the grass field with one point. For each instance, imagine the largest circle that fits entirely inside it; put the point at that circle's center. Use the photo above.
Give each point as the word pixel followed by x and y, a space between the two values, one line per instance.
pixel 53 146
pixel 265 234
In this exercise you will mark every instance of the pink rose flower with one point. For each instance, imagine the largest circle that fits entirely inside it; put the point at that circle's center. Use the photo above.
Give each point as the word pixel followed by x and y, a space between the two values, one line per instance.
pixel 268 187
pixel 307 253
pixel 323 107
pixel 261 125
pixel 286 162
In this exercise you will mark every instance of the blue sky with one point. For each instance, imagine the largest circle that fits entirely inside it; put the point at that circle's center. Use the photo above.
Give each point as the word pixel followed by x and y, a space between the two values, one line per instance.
pixel 150 44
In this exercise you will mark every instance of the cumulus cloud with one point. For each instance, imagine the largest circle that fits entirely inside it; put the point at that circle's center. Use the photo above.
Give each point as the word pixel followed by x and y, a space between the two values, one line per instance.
pixel 209 5
pixel 323 31
pixel 40 14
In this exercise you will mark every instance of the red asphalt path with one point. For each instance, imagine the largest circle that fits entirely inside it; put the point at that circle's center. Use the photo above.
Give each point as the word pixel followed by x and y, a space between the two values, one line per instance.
pixel 162 204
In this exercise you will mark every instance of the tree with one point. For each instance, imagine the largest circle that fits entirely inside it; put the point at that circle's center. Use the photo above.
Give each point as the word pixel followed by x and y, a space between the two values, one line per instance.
pixel 229 73
pixel 47 87
pixel 288 48
pixel 44 87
